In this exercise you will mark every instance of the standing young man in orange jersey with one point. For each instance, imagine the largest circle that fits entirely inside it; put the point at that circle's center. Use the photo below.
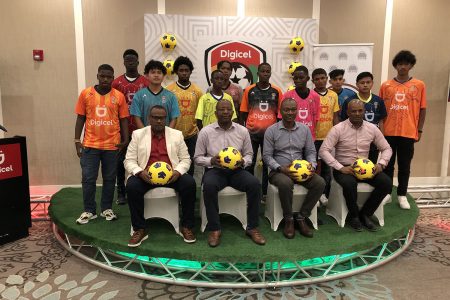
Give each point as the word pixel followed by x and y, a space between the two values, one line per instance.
pixel 405 101
pixel 103 111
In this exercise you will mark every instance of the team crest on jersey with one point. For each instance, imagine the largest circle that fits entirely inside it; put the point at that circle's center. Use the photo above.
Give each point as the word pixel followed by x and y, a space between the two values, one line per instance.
pixel 185 103
pixel 324 109
pixel 113 100
pixel 263 106
pixel 369 116
pixel 2 158
pixel 274 96
pixel 163 99
pixel 100 111
pixel 244 57
pixel 303 113
pixel 400 97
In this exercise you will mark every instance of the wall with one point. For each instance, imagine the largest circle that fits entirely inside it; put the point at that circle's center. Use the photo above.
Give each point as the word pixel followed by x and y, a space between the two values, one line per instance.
pixel 38 98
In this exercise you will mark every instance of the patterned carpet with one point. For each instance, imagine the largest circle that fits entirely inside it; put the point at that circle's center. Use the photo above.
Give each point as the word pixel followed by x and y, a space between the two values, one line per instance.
pixel 39 268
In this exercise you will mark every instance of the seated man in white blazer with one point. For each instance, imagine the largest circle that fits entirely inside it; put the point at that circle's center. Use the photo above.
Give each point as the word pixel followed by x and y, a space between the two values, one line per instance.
pixel 158 142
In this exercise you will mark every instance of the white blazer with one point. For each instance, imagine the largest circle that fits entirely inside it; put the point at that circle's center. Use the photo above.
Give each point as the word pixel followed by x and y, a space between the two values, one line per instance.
pixel 140 148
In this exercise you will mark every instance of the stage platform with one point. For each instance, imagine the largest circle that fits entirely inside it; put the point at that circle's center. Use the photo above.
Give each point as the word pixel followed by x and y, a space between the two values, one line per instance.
pixel 334 252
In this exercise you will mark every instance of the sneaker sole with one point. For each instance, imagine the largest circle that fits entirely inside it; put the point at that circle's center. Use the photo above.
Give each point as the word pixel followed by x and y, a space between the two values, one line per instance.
pixel 189 241
pixel 108 218
pixel 87 221
pixel 138 244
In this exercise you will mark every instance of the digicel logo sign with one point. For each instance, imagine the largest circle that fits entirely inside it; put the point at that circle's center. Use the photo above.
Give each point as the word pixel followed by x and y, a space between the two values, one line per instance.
pixel 10 161
pixel 244 57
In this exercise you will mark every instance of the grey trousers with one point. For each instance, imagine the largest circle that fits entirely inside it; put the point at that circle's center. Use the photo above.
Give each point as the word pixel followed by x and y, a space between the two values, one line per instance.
pixel 315 186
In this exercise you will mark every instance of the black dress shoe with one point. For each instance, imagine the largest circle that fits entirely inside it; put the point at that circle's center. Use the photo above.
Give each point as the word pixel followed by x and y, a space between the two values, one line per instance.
pixel 289 230
pixel 355 223
pixel 304 229
pixel 368 223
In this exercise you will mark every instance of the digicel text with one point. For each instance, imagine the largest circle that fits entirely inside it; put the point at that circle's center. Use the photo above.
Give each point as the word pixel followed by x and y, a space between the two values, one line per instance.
pixel 6 169
pixel 235 54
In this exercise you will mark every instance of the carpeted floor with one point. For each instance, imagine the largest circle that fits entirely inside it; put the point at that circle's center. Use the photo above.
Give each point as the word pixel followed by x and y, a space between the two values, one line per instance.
pixel 37 267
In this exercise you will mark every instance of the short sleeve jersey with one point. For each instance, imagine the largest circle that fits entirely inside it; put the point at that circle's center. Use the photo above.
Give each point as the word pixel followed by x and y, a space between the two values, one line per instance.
pixel 103 114
pixel 188 98
pixel 262 106
pixel 235 91
pixel 403 102
pixel 308 109
pixel 207 107
pixel 328 106
pixel 145 99
pixel 345 94
pixel 375 111
pixel 129 88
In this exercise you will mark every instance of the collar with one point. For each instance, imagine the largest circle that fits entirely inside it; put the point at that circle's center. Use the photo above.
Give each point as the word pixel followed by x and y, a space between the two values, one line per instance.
pixel 364 100
pixel 216 125
pixel 281 126
pixel 352 126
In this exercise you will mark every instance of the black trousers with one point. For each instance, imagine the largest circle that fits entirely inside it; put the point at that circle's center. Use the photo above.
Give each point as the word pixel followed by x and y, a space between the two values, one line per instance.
pixel 325 170
pixel 403 149
pixel 215 179
pixel 381 182
pixel 190 143
pixel 120 177
pixel 136 188
pixel 258 142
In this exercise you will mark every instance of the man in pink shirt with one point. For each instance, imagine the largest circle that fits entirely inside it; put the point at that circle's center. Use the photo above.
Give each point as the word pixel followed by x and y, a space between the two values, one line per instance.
pixel 351 139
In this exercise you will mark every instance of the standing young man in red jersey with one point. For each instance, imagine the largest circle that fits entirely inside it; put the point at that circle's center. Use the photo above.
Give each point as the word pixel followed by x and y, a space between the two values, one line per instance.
pixel 103 111
pixel 128 83
pixel 405 101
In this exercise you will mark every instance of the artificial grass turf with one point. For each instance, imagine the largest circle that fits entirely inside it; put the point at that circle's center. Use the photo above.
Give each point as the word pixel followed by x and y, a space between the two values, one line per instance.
pixel 66 206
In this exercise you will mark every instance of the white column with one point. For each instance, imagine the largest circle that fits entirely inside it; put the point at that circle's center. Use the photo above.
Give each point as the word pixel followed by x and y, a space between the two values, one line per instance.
pixel 240 8
pixel 79 44
pixel 161 7
pixel 316 15
pixel 446 142
pixel 2 135
pixel 387 40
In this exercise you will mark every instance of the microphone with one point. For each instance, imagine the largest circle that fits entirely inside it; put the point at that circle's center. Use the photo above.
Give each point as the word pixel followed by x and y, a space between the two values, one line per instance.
pixel 3 128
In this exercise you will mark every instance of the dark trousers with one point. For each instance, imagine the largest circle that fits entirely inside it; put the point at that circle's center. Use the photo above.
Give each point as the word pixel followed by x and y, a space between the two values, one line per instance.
pixel 90 163
pixel 136 188
pixel 381 182
pixel 373 153
pixel 403 148
pixel 285 185
pixel 258 142
pixel 325 170
pixel 120 181
pixel 190 143
pixel 214 180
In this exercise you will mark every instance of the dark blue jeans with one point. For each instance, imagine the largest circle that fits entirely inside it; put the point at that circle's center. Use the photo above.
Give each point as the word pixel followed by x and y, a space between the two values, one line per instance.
pixel 190 143
pixel 90 162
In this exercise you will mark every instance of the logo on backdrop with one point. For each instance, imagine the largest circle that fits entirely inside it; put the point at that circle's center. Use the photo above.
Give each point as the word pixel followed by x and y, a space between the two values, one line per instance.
pixel 10 161
pixel 244 57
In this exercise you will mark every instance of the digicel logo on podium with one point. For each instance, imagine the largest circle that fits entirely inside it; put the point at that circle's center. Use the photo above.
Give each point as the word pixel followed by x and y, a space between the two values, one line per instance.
pixel 244 57
pixel 10 161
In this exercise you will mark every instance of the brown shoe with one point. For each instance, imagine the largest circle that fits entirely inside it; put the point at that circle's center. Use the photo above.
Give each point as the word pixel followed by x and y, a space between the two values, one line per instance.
pixel 289 230
pixel 188 235
pixel 214 238
pixel 304 228
pixel 256 236
pixel 137 238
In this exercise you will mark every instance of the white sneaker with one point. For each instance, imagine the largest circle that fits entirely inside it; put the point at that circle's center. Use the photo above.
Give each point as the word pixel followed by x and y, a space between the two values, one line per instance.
pixel 85 218
pixel 109 215
pixel 323 200
pixel 386 200
pixel 403 201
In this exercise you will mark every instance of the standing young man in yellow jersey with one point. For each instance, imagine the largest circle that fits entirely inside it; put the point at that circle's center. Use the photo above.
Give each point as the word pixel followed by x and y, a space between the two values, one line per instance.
pixel 328 117
pixel 188 95
pixel 103 112
pixel 405 101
